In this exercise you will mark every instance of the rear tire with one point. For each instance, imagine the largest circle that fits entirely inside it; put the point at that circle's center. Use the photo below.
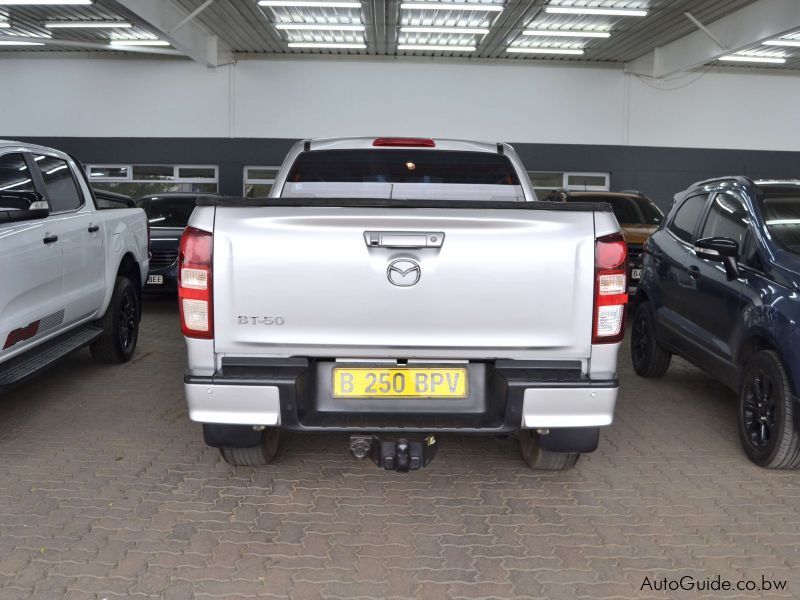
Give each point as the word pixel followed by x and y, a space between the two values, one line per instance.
pixel 649 359
pixel 254 456
pixel 540 459
pixel 766 414
pixel 120 325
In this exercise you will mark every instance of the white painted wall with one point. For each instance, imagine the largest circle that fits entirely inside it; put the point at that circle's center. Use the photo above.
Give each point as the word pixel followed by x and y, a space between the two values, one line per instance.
pixel 289 98
pixel 751 110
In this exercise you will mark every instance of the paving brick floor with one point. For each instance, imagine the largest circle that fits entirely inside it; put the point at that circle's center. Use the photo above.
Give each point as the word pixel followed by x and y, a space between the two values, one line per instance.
pixel 107 491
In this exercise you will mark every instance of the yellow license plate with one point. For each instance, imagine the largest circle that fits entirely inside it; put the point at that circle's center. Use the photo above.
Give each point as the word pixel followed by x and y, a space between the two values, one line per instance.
pixel 400 383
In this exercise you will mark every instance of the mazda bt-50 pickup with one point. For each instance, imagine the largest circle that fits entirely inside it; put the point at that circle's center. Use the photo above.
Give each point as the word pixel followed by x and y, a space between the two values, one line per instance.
pixel 396 289
pixel 70 275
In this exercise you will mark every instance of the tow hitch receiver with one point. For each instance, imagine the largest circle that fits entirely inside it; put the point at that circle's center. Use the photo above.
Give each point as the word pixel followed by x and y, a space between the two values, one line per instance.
pixel 402 455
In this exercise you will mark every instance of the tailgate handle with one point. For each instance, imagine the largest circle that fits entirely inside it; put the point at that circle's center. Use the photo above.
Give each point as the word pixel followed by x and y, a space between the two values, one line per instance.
pixel 404 239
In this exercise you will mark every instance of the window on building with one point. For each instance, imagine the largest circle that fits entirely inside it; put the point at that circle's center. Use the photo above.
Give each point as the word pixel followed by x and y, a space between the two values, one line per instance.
pixel 144 180
pixel 544 183
pixel 587 182
pixel 258 181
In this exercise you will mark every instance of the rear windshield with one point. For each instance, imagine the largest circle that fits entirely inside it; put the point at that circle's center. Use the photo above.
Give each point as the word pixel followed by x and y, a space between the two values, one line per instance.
pixel 403 166
pixel 406 173
pixel 782 218
pixel 628 210
pixel 168 212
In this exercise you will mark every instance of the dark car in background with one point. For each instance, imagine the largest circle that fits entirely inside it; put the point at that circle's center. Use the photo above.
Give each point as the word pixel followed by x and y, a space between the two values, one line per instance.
pixel 167 215
pixel 721 288
pixel 106 200
pixel 638 217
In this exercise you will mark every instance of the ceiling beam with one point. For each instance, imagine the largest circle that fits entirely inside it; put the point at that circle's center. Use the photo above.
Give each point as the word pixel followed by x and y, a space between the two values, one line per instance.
pixel 390 30
pixel 175 26
pixel 517 14
pixel 744 28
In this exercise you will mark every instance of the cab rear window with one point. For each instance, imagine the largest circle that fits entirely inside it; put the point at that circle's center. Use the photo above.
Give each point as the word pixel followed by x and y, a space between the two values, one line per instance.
pixel 403 166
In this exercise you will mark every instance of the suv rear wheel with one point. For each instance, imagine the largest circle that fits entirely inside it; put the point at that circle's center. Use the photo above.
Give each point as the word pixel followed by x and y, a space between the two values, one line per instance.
pixel 254 456
pixel 649 359
pixel 766 414
pixel 541 459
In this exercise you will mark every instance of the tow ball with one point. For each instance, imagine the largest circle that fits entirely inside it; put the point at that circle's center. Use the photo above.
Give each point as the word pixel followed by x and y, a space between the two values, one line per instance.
pixel 400 455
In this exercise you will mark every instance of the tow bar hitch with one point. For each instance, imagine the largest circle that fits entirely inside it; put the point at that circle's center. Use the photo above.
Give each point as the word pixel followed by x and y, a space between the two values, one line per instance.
pixel 402 455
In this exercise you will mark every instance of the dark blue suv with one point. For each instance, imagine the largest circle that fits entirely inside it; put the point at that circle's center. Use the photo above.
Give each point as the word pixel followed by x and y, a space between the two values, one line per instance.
pixel 721 288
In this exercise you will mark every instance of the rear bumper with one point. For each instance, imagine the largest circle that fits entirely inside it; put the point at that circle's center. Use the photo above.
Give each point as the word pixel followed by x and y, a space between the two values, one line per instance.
pixel 505 396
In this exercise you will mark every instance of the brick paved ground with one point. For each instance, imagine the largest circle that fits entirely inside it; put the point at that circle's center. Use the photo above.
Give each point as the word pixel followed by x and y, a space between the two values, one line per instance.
pixel 107 491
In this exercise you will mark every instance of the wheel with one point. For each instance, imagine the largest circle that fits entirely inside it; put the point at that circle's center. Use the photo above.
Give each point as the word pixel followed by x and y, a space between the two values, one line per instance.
pixel 649 359
pixel 120 325
pixel 766 414
pixel 254 456
pixel 541 459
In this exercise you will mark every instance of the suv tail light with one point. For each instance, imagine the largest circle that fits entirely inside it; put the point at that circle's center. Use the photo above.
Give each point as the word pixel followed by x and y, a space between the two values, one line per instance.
pixel 405 142
pixel 611 289
pixel 194 284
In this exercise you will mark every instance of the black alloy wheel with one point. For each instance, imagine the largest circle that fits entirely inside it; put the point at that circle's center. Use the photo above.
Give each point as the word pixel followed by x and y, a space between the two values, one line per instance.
pixel 127 328
pixel 649 359
pixel 767 428
pixel 758 409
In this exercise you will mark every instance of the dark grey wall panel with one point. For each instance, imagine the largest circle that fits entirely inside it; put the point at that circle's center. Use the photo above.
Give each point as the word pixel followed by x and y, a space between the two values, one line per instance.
pixel 658 172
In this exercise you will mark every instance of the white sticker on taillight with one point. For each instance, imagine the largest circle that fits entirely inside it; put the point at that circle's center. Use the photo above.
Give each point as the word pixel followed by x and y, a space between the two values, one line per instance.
pixel 195 314
pixel 609 320
pixel 195 279
pixel 612 284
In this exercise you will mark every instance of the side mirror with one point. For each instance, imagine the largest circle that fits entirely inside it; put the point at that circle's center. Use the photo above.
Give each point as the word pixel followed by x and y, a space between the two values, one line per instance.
pixel 720 249
pixel 22 206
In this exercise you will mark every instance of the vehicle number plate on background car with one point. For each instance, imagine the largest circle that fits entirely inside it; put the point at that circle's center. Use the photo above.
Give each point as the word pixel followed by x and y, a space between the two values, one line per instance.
pixel 155 279
pixel 400 383
pixel 636 273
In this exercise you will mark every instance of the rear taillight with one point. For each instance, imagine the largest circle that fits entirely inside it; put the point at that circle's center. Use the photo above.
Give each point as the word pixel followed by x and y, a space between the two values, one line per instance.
pixel 194 284
pixel 405 142
pixel 610 289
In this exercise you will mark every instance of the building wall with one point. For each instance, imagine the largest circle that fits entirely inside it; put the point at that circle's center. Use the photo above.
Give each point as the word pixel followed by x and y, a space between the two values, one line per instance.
pixel 559 117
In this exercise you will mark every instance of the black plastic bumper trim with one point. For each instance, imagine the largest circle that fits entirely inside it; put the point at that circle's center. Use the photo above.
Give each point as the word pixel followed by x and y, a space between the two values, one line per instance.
pixel 494 407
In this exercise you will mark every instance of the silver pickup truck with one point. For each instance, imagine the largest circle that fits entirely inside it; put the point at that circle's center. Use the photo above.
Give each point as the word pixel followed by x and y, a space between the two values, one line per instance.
pixel 395 289
pixel 71 270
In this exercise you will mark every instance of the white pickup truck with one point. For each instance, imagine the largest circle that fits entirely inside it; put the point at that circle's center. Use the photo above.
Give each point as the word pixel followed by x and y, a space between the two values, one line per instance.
pixel 396 289
pixel 70 275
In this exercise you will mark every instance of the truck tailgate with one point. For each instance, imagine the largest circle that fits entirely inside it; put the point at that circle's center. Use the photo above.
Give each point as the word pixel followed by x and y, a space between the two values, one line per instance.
pixel 302 281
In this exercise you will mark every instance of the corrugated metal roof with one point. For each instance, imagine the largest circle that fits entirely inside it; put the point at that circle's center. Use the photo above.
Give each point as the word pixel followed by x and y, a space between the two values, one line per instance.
pixel 29 21
pixel 247 28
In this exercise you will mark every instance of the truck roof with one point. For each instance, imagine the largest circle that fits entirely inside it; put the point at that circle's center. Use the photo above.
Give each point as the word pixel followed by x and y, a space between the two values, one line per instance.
pixel 364 143
pixel 29 146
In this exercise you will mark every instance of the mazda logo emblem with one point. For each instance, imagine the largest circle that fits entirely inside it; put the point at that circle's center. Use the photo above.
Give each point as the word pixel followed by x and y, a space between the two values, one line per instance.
pixel 403 272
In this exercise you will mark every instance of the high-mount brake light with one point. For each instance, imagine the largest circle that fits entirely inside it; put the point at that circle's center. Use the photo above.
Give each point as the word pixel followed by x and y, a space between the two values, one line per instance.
pixel 610 290
pixel 405 142
pixel 195 284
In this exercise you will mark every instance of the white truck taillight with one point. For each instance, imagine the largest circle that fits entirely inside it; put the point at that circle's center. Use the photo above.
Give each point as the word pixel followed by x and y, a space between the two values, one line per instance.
pixel 194 284
pixel 611 289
